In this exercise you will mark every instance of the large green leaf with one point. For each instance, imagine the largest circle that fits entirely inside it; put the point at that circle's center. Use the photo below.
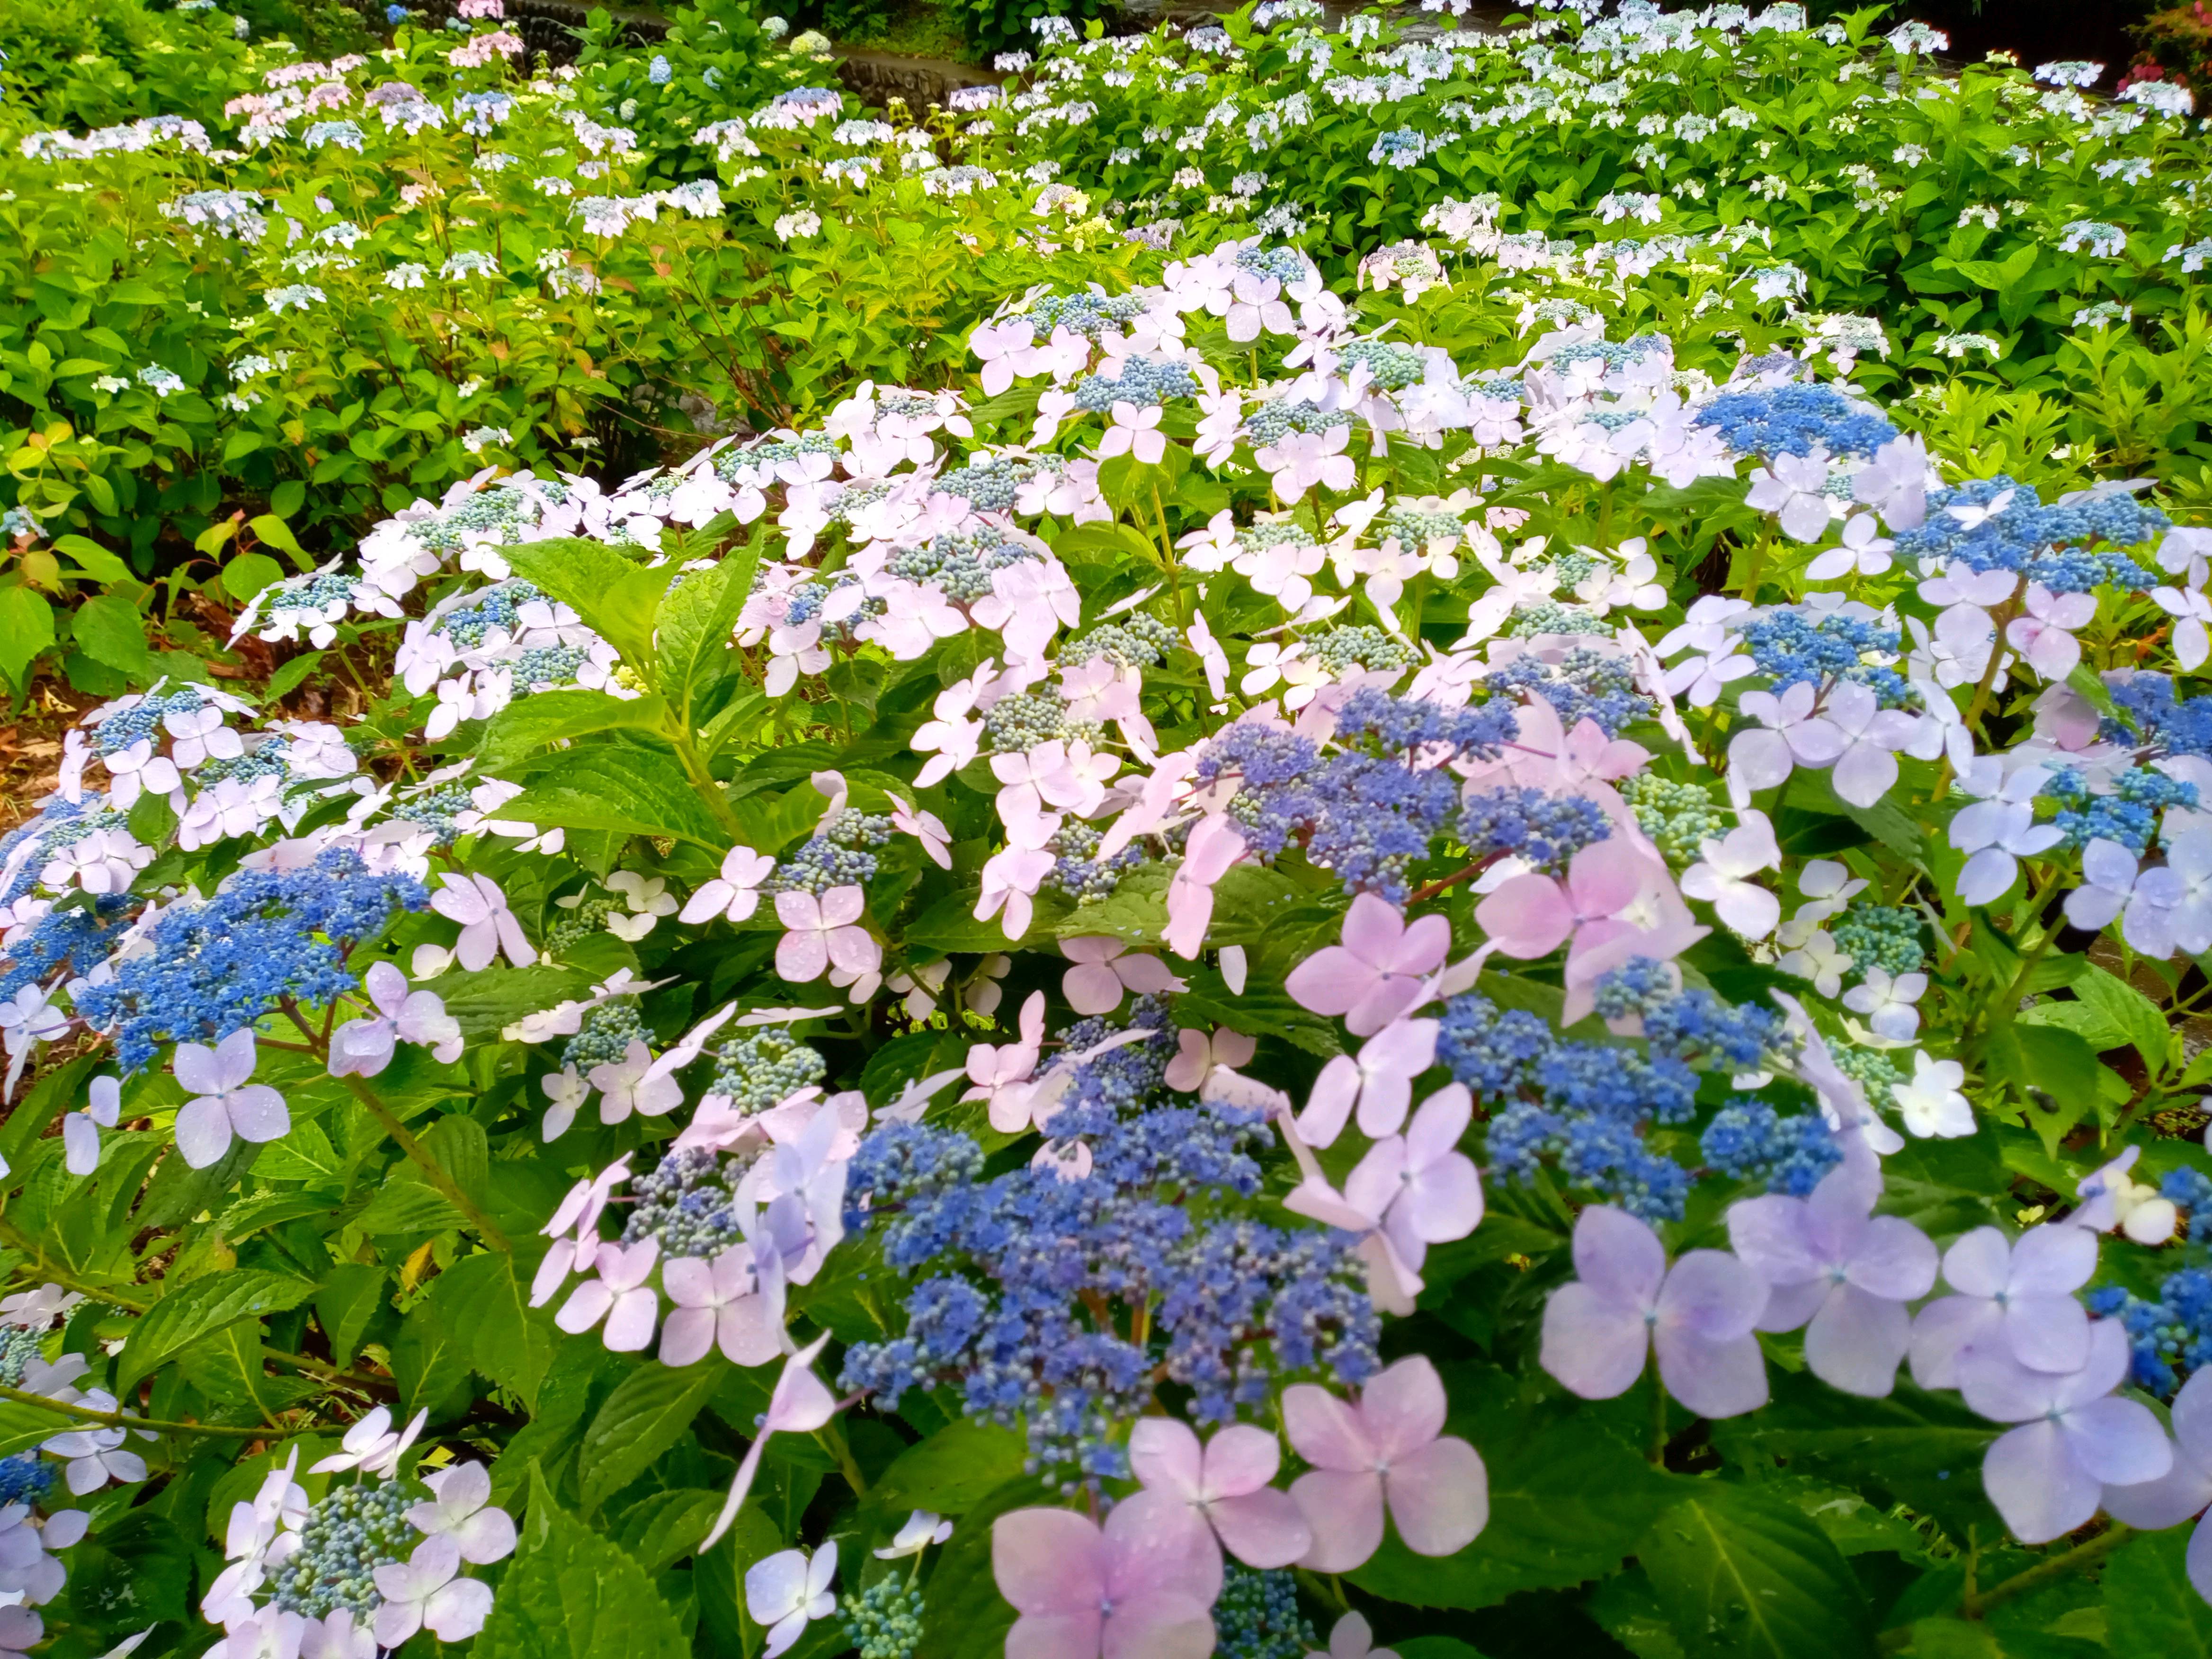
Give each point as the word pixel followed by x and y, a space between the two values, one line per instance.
pixel 488 1000
pixel 530 723
pixel 27 628
pixel 198 1309
pixel 573 1595
pixel 691 640
pixel 952 1471
pixel 614 596
pixel 628 790
pixel 646 1413
pixel 2150 1605
pixel 1748 1576
pixel 1918 1449
pixel 486 1298
pixel 23 1425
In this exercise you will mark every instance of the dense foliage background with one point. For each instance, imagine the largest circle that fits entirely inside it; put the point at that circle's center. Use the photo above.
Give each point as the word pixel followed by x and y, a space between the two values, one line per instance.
pixel 1314 838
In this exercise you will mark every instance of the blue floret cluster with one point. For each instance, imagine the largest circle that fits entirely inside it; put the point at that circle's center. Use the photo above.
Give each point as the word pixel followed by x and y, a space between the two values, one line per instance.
pixel 217 967
pixel 1586 1106
pixel 1061 1301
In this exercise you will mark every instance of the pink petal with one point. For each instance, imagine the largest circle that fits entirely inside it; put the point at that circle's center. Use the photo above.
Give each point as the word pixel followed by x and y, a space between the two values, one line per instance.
pixel 1857 1341
pixel 1164 1455
pixel 841 906
pixel 1372 929
pixel 1427 939
pixel 1344 1512
pixel 2031 1476
pixel 1161 1626
pixel 1331 981
pixel 1443 1201
pixel 203 1131
pixel 1723 1378
pixel 1157 1545
pixel 1093 987
pixel 1594 1345
pixel 629 1326
pixel 1056 1636
pixel 1326 1432
pixel 1618 1256
pixel 1392 996
pixel 1330 1102
pixel 1439 1497
pixel 797 910
pixel 1240 1459
pixel 854 949
pixel 801 956
pixel 1528 916
pixel 1402 1407
pixel 687 1334
pixel 1981 1263
pixel 257 1113
pixel 1262 1528
pixel 1048 1561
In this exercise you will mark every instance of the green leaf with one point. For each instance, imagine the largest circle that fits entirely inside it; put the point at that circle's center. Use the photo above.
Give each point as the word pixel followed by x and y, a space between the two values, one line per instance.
pixel 664 1527
pixel 952 1472
pixel 1956 1638
pixel 248 573
pixel 1921 1450
pixel 291 676
pixel 198 1309
pixel 2126 1016
pixel 349 1297
pixel 110 630
pixel 616 597
pixel 95 561
pixel 486 1298
pixel 530 723
pixel 691 634
pixel 1433 1647
pixel 2150 1605
pixel 407 1207
pixel 573 1595
pixel 430 1365
pixel 274 530
pixel 27 628
pixel 1746 1575
pixel 646 1414
pixel 486 1000
pixel 23 1425
pixel 631 791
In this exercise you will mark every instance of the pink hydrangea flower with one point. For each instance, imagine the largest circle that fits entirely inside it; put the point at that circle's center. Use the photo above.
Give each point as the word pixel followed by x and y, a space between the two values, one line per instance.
pixel 1224 1482
pixel 1139 1587
pixel 1376 974
pixel 1388 1451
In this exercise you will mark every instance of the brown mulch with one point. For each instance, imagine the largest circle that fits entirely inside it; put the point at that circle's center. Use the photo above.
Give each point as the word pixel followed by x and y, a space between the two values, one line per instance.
pixel 31 747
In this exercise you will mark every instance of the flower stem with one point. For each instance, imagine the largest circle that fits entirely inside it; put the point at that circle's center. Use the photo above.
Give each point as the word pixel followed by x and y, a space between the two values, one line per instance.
pixel 832 1437
pixel 1975 1606
pixel 118 1420
pixel 446 1186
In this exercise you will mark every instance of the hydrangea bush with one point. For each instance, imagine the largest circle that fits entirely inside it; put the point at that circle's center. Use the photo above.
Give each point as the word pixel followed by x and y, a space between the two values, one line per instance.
pixel 1265 979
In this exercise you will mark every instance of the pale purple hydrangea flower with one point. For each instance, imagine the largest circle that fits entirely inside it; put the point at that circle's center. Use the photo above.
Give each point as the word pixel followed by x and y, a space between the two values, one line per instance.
pixel 2017 1297
pixel 1841 1271
pixel 2047 1476
pixel 1700 1315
